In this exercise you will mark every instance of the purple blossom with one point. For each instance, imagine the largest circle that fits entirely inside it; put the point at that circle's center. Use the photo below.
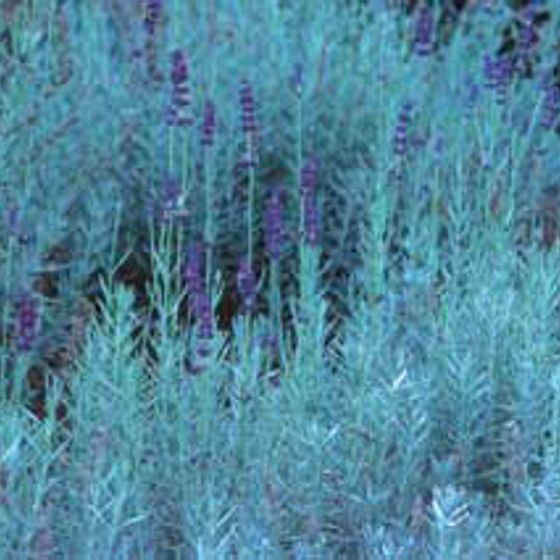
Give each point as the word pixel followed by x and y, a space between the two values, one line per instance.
pixel 166 202
pixel 498 74
pixel 528 37
pixel 490 71
pixel 192 270
pixel 246 285
pixel 402 129
pixel 136 54
pixel 27 321
pixel 208 124
pixel 180 94
pixel 308 176
pixel 424 36
pixel 152 15
pixel 273 226
pixel 170 194
pixel 247 108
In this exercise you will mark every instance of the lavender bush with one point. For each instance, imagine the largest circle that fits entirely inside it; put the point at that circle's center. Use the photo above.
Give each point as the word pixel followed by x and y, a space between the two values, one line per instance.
pixel 279 281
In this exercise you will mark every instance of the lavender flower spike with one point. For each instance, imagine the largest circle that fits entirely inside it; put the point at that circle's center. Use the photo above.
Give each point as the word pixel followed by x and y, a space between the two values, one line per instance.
pixel 208 124
pixel 400 142
pixel 424 41
pixel 192 271
pixel 308 178
pixel 247 108
pixel 180 95
pixel 27 322
pixel 152 15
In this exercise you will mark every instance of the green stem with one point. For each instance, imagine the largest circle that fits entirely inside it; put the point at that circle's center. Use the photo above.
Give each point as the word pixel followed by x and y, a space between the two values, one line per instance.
pixel 5 311
pixel 208 233
pixel 299 159
pixel 171 143
pixel 251 202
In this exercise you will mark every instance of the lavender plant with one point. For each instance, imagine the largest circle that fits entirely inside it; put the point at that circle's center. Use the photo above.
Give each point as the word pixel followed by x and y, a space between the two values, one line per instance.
pixel 347 348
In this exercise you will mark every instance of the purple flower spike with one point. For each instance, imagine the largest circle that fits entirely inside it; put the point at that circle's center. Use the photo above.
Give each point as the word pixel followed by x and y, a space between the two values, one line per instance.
pixel 424 40
pixel 209 124
pixel 504 74
pixel 528 38
pixel 247 108
pixel 498 74
pixel 164 204
pixel 273 226
pixel 192 271
pixel 308 178
pixel 179 67
pixel 490 72
pixel 170 197
pixel 27 322
pixel 177 115
pixel 246 285
pixel 152 15
pixel 400 141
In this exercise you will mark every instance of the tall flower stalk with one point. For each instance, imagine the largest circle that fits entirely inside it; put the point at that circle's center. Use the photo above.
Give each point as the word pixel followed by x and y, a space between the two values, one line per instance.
pixel 207 141
pixel 179 118
pixel 274 239
pixel 310 307
pixel 14 230
pixel 249 128
pixel 178 111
